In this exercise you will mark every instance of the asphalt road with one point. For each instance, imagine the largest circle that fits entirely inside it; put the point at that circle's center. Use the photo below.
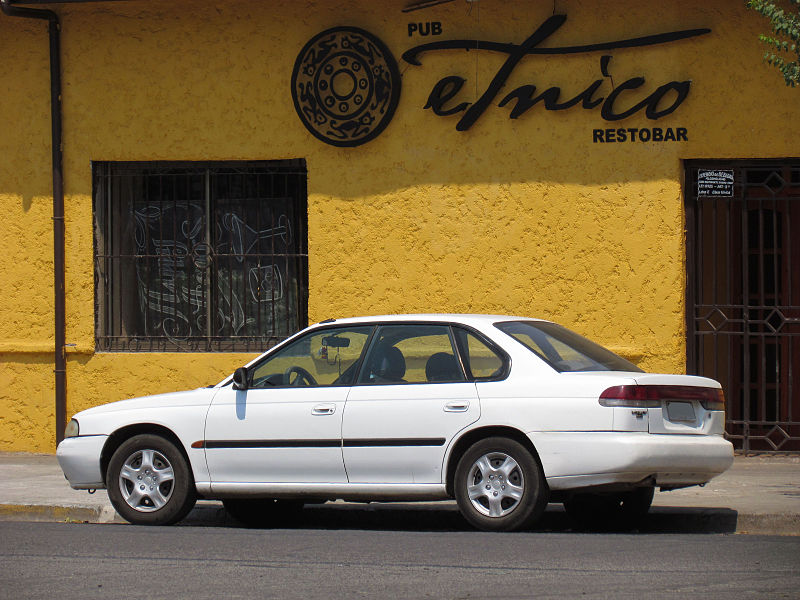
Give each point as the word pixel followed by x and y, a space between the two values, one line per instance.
pixel 53 560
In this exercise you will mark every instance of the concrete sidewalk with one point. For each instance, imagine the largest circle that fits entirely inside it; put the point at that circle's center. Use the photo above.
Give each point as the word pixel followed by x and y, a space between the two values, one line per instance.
pixel 758 495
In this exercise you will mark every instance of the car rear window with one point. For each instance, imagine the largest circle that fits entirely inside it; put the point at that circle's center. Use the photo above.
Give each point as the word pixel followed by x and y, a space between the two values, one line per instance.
pixel 564 350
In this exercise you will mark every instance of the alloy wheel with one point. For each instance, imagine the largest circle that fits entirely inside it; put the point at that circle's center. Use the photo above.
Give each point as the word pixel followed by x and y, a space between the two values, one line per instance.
pixel 146 480
pixel 495 484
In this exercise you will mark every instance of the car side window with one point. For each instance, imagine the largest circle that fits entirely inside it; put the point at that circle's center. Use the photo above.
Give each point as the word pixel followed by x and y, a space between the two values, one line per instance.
pixel 327 356
pixel 562 349
pixel 411 354
pixel 480 361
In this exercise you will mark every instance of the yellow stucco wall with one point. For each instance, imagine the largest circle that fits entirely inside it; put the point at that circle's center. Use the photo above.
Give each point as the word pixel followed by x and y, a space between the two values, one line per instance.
pixel 522 217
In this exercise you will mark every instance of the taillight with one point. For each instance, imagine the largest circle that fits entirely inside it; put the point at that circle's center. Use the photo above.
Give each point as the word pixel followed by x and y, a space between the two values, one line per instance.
pixel 631 396
pixel 651 396
pixel 714 403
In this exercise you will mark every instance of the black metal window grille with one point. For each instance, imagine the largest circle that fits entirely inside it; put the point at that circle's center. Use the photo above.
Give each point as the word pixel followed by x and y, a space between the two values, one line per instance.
pixel 199 257
pixel 743 298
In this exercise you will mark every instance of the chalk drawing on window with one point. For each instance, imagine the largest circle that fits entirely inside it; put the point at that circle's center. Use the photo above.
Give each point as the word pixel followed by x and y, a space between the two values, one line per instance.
pixel 174 270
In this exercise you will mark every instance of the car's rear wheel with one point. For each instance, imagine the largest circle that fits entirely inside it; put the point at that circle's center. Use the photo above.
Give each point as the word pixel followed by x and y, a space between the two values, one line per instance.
pixel 262 512
pixel 610 511
pixel 499 485
pixel 149 481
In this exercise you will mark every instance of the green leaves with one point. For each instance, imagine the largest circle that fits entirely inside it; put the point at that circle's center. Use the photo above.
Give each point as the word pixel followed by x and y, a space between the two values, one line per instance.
pixel 784 45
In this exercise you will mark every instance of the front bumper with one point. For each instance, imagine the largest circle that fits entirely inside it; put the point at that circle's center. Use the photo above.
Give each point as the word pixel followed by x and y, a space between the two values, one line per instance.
pixel 79 458
pixel 574 460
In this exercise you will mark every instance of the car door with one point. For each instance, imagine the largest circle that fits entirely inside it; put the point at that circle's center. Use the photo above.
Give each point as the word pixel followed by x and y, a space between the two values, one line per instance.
pixel 412 397
pixel 286 427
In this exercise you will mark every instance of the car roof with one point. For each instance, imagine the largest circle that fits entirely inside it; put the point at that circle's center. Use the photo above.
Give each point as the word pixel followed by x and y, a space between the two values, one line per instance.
pixel 466 319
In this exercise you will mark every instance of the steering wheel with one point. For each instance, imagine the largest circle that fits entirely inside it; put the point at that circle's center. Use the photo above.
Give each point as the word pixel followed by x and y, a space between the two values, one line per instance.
pixel 302 375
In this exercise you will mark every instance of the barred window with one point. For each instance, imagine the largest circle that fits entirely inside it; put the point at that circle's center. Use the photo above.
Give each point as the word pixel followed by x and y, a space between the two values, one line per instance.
pixel 199 256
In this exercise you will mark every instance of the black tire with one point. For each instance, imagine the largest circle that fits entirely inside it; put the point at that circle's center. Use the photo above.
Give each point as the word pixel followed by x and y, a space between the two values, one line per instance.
pixel 149 481
pixel 604 512
pixel 263 512
pixel 494 480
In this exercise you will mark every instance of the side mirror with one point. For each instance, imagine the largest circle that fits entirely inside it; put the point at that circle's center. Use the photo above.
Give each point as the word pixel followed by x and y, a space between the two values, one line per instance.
pixel 240 378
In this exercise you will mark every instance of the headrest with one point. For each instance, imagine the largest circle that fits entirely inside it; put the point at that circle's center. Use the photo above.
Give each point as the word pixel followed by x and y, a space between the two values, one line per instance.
pixel 442 367
pixel 390 364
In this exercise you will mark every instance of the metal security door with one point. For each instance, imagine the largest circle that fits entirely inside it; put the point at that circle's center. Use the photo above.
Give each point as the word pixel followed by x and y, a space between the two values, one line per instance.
pixel 743 296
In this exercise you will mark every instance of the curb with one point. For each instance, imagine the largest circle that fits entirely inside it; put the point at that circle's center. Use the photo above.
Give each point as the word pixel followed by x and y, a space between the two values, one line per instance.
pixel 59 514
pixel 768 524
pixel 388 517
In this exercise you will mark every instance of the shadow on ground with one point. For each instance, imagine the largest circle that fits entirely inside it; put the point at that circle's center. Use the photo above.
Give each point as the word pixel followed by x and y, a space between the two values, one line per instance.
pixel 410 517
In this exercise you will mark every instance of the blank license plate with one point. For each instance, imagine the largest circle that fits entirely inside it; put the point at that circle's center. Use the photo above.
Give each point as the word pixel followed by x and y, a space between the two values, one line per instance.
pixel 680 411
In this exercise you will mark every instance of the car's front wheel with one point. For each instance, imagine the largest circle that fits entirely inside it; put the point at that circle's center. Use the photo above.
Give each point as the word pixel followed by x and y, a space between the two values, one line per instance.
pixel 149 481
pixel 499 485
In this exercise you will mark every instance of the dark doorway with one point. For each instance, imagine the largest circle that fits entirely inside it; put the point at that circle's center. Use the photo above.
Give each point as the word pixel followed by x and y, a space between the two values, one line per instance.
pixel 743 296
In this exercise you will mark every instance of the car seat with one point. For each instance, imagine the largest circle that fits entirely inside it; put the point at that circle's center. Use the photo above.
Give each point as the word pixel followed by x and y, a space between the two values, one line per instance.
pixel 443 367
pixel 389 366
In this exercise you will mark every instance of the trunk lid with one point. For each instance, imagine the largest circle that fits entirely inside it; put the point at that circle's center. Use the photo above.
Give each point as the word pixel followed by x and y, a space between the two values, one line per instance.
pixel 677 413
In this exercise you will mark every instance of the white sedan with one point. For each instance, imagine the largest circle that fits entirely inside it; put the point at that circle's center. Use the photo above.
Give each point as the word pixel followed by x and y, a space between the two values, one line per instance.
pixel 504 414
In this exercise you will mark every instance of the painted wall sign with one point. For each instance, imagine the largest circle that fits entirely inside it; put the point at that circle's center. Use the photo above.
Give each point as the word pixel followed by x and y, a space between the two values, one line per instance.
pixel 657 104
pixel 640 134
pixel 715 183
pixel 424 29
pixel 345 86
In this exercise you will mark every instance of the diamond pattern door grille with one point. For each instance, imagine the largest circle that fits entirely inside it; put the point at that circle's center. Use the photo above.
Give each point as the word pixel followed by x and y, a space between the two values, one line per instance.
pixel 743 298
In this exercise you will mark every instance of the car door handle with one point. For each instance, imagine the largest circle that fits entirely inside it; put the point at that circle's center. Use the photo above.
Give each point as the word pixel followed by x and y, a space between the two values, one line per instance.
pixel 323 409
pixel 457 406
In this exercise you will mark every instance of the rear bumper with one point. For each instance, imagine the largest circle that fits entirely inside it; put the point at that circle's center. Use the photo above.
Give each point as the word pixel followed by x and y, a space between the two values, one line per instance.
pixel 79 458
pixel 574 460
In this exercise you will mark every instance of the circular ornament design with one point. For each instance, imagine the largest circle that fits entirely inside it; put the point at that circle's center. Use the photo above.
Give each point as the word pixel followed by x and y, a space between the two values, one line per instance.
pixel 345 86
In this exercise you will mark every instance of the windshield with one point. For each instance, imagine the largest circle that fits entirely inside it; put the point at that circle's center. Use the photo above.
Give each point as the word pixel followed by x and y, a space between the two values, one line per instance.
pixel 564 350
